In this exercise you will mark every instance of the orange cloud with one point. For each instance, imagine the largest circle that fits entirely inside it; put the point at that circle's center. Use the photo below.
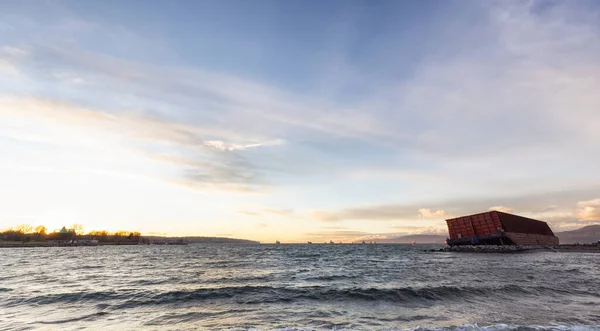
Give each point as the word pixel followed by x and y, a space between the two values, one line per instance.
pixel 502 209
pixel 589 210
pixel 427 213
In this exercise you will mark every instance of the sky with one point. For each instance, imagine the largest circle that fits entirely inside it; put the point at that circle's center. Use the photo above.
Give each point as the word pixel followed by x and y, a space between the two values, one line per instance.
pixel 298 120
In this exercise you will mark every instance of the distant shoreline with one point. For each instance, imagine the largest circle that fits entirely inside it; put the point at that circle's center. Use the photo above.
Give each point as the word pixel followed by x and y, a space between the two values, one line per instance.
pixel 568 248
pixel 508 249
pixel 40 244
pixel 122 243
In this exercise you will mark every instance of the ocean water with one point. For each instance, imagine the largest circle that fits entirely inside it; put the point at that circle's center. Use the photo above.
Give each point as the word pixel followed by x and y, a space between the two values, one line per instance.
pixel 295 287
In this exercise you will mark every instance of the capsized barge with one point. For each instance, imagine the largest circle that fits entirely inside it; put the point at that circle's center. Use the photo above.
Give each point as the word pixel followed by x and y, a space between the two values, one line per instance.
pixel 499 228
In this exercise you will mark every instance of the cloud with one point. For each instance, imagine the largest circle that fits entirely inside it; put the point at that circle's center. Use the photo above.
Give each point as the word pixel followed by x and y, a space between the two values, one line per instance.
pixel 502 209
pixel 589 210
pixel 249 213
pixel 264 212
pixel 358 236
pixel 244 106
pixel 526 203
pixel 425 212
pixel 199 184
pixel 430 230
pixel 202 165
pixel 13 52
pixel 9 58
pixel 7 68
pixel 493 113
pixel 549 208
pixel 127 124
pixel 287 213
pixel 217 144
pixel 69 78
pixel 531 89
pixel 440 229
pixel 327 216
pixel 391 212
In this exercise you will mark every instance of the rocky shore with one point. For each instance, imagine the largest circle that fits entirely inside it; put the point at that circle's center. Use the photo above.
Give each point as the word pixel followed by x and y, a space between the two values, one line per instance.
pixel 588 248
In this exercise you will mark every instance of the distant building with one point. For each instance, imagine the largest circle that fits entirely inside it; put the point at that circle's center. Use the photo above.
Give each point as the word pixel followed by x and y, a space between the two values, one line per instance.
pixel 498 228
pixel 64 235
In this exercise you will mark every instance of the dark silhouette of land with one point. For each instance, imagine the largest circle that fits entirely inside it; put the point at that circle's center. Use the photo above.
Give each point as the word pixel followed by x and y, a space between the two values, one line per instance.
pixel 417 238
pixel 28 236
pixel 202 240
pixel 587 234
pixel 38 236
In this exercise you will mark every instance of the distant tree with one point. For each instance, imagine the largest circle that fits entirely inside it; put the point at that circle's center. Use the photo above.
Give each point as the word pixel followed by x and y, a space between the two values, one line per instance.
pixel 103 235
pixel 24 228
pixel 40 232
pixel 134 236
pixel 78 228
pixel 120 235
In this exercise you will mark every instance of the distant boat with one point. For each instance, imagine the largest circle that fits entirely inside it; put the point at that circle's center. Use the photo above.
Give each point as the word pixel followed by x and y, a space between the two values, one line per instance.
pixel 363 242
pixel 277 242
pixel 310 242
pixel 331 242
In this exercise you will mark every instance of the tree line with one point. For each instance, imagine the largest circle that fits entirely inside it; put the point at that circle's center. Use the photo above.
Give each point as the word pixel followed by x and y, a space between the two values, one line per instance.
pixel 25 232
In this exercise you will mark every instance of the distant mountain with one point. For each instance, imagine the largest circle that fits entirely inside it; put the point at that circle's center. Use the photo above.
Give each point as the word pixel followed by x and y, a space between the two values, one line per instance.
pixel 587 234
pixel 205 240
pixel 417 238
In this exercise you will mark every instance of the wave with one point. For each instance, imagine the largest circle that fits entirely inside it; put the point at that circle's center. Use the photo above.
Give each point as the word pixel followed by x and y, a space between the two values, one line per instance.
pixel 332 277
pixel 191 317
pixel 268 294
pixel 509 327
pixel 475 327
pixel 89 317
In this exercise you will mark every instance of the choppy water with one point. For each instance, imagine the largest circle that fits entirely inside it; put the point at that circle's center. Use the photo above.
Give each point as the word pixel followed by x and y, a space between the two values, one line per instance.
pixel 308 287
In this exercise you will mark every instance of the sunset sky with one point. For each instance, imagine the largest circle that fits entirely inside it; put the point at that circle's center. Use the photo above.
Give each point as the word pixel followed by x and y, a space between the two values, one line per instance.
pixel 298 120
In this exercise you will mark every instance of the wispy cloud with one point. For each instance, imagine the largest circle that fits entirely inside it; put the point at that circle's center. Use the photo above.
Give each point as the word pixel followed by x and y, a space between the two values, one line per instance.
pixel 427 213
pixel 218 144
pixel 248 213
pixel 238 102
pixel 503 114
pixel 440 229
pixel 7 68
pixel 264 212
pixel 211 168
pixel 534 204
pixel 502 208
pixel 371 213
pixel 9 58
pixel 589 210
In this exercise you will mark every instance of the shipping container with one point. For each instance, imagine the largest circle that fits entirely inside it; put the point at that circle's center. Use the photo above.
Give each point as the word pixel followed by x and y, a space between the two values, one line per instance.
pixel 493 225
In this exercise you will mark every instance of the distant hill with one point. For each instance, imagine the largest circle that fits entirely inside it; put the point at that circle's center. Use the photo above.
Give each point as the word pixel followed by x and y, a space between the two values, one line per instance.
pixel 205 240
pixel 587 234
pixel 417 238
